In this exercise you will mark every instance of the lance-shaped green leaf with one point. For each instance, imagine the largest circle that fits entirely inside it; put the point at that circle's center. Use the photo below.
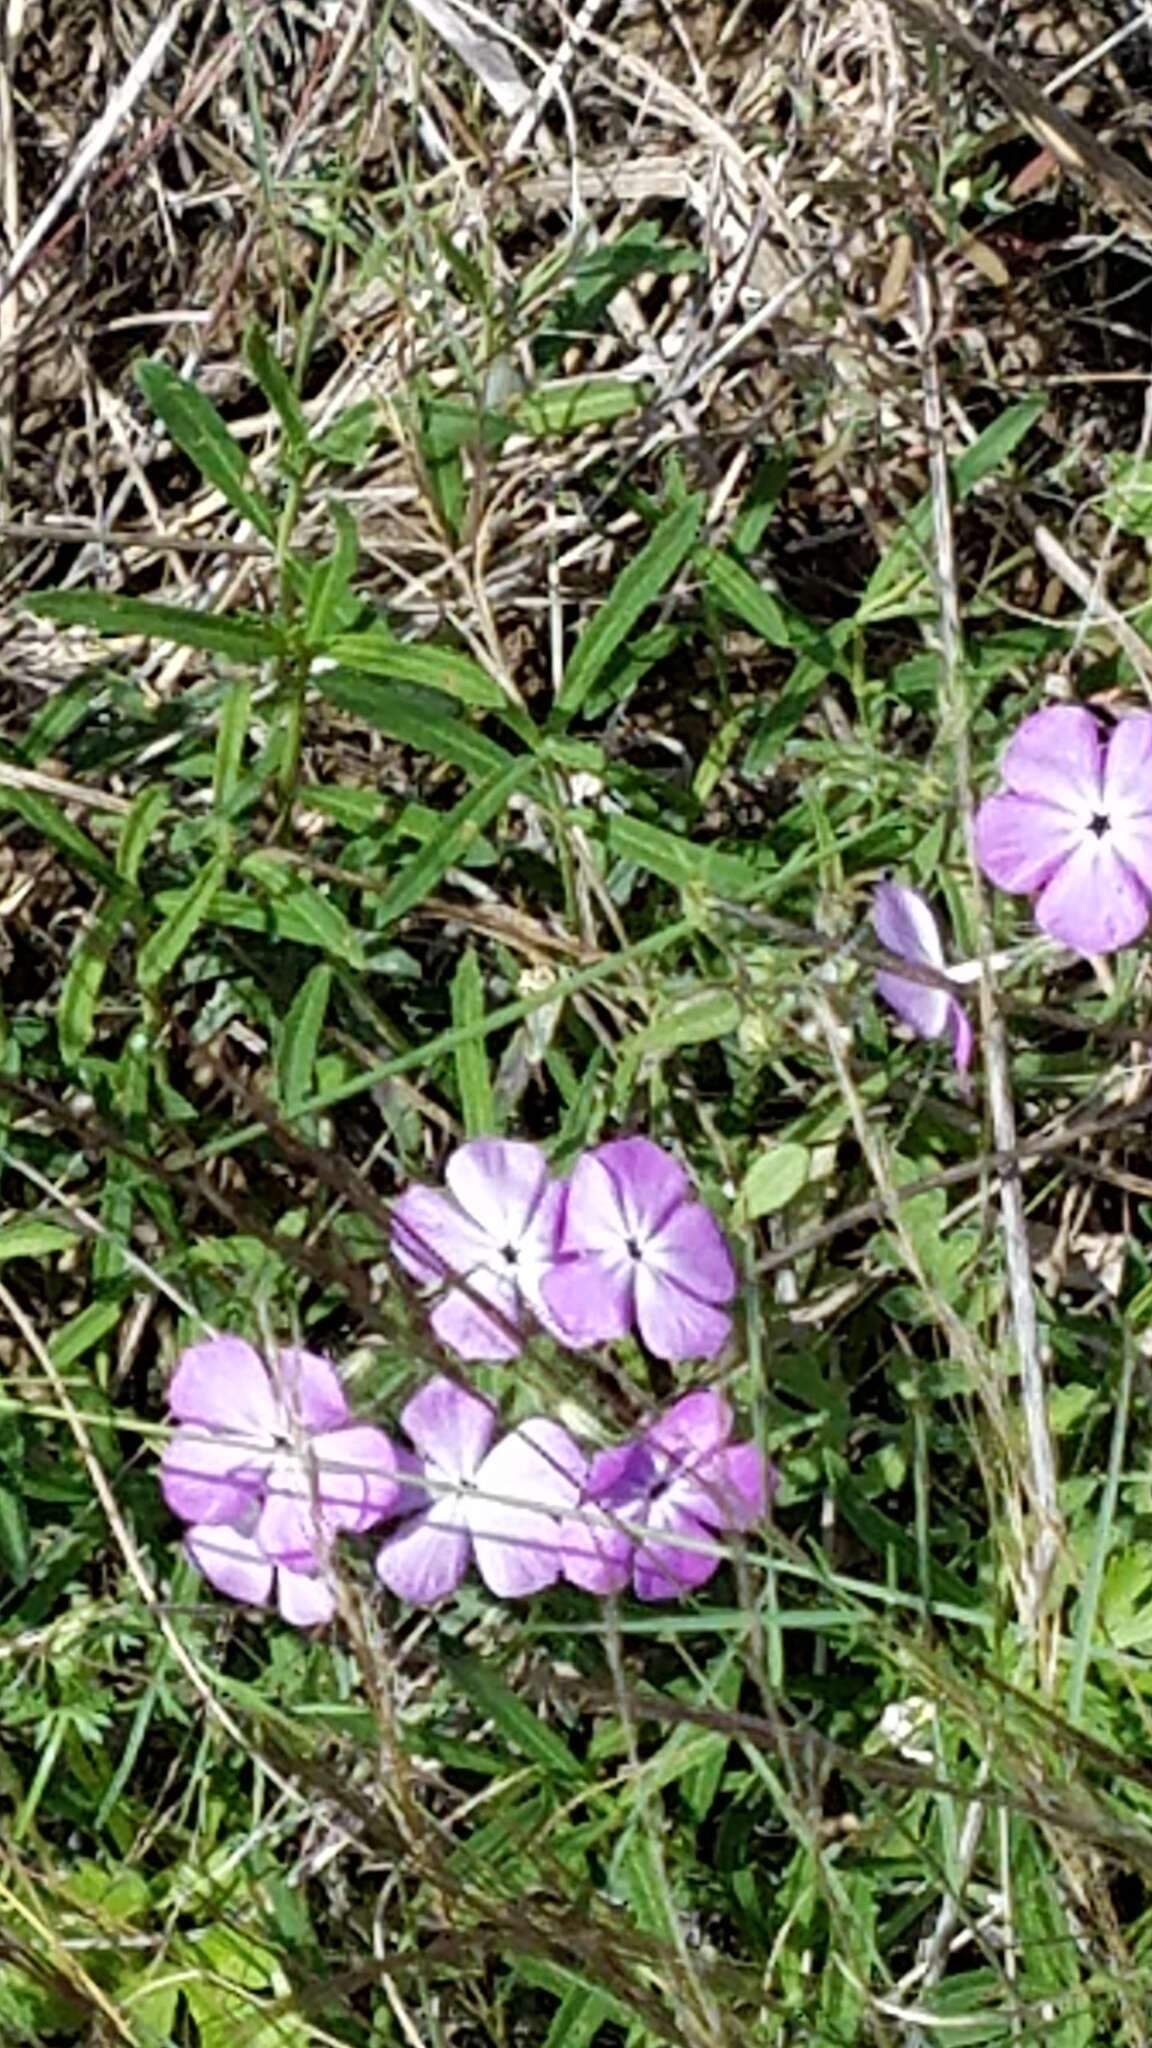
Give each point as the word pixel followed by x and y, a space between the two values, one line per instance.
pixel 237 636
pixel 187 912
pixel 207 440
pixel 378 652
pixel 637 587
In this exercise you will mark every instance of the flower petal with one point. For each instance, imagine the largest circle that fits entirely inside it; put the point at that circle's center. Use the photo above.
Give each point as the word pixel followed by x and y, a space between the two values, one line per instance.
pixel 927 1011
pixel 1096 902
pixel 664 1569
pixel 345 1479
pixel 310 1389
pixel 1128 793
pixel 1056 756
pixel 462 1326
pixel 592 1219
pixel 675 1324
pixel 1128 768
pixel 213 1478
pixel 433 1239
pixel 689 1247
pixel 304 1599
pixel 450 1426
pixel 517 1546
pixel 498 1182
pixel 427 1556
pixel 960 1031
pixel 595 1556
pixel 649 1182
pixel 692 1426
pixel 233 1563
pixel 224 1384
pixel 904 924
pixel 1020 842
pixel 590 1300
pixel 729 1491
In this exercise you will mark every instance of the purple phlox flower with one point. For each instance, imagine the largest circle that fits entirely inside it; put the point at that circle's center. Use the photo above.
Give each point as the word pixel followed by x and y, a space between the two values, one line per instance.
pixel 682 1484
pixel 269 1467
pixel 502 1503
pixel 1073 826
pixel 637 1249
pixel 904 925
pixel 495 1228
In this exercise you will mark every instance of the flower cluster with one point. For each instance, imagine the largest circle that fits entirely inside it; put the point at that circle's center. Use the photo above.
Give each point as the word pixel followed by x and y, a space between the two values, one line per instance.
pixel 621 1245
pixel 1071 827
pixel 268 1467
pixel 267 1486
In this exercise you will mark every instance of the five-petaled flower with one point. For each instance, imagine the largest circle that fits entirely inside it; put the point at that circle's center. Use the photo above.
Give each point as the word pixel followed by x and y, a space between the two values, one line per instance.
pixel 268 1467
pixel 1073 826
pixel 502 1503
pixel 904 925
pixel 636 1249
pixel 495 1229
pixel 667 1496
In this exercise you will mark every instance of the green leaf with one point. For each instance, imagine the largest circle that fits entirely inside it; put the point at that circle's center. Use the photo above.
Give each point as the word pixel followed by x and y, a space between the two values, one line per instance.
pixel 564 408
pixel 907 555
pixel 84 978
pixel 521 1728
pixel 160 954
pixel 15 1541
pixel 300 1038
pixel 460 828
pixel 352 436
pixel 276 385
pixel 417 718
pixel 678 860
pixel 31 1239
pixel 46 818
pixel 71 1340
pixel 637 586
pixel 377 652
pixel 238 638
pixel 772 1181
pixel 147 810
pixel 753 602
pixel 706 1014
pixel 472 1076
pixel 206 439
pixel 313 913
pixel 329 587
pixel 231 734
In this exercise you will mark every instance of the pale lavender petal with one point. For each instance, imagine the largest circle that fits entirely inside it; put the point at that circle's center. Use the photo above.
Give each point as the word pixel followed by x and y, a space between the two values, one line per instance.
pixel 675 1324
pixel 689 1247
pixel 904 925
pixel 1095 903
pixel 427 1556
pixel 729 1491
pixel 595 1556
pixel 212 1478
pixel 450 1426
pixel 1128 768
pixel 310 1389
pixel 960 1031
pixel 461 1324
pixel 927 1011
pixel 590 1300
pixel 649 1182
pixel 1056 757
pixel 233 1563
pixel 498 1182
pixel 624 1475
pixel 224 1384
pixel 692 1426
pixel 1128 793
pixel 663 1569
pixel 433 1239
pixel 304 1599
pixel 1020 843
pixel 518 1546
pixel 345 1479
pixel 592 1219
